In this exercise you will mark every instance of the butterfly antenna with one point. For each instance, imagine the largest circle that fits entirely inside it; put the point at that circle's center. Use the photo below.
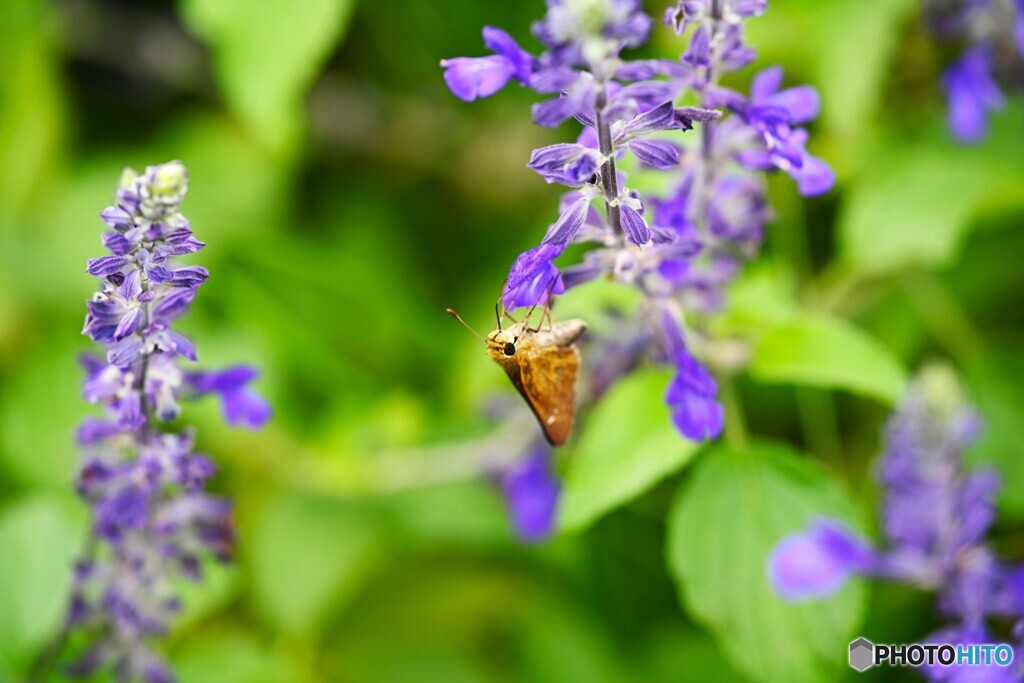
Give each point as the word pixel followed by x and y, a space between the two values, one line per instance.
pixel 464 323
pixel 497 313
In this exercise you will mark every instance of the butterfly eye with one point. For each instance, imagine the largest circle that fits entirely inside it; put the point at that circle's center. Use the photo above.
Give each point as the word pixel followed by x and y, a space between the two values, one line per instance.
pixel 510 349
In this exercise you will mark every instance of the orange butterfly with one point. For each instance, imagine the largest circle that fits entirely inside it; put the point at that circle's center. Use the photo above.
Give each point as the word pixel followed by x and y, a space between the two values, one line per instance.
pixel 542 364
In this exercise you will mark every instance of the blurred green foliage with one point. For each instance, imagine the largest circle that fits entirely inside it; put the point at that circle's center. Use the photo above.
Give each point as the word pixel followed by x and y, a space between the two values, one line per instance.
pixel 347 198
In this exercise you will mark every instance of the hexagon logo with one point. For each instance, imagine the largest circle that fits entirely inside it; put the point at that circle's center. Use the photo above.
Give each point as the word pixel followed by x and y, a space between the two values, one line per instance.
pixel 862 654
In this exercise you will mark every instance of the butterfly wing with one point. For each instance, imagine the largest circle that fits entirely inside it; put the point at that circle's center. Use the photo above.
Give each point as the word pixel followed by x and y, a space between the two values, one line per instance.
pixel 547 378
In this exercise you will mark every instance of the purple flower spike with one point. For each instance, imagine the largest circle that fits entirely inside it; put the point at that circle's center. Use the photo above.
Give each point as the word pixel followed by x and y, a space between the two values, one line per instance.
pixel 152 522
pixel 531 493
pixel 816 564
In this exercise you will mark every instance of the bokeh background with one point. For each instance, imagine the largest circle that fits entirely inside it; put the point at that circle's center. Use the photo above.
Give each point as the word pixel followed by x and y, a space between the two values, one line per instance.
pixel 347 198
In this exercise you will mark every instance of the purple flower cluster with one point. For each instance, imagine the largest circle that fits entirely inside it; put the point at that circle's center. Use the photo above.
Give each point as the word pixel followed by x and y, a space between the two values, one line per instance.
pixel 991 33
pixel 152 520
pixel 678 251
pixel 936 515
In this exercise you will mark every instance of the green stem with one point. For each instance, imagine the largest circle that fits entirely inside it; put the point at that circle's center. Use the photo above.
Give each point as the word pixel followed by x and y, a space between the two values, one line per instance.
pixel 943 315
pixel 735 420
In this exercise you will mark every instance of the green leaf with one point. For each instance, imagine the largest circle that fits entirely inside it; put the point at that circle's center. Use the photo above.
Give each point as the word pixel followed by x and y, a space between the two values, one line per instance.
pixel 267 54
pixel 916 205
pixel 831 353
pixel 39 538
pixel 231 657
pixel 627 445
pixel 997 386
pixel 39 408
pixel 309 556
pixel 722 527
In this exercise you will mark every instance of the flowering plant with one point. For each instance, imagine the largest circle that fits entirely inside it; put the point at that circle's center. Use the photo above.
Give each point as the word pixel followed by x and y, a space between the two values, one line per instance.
pixel 153 522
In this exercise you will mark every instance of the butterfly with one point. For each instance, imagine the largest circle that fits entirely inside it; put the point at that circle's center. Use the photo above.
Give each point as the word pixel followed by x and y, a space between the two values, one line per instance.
pixel 543 364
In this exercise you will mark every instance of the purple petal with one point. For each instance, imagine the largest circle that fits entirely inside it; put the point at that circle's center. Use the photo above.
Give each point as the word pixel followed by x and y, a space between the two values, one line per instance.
pixel 661 117
pixel 972 93
pixel 174 304
pixel 801 102
pixel 129 411
pixel 502 43
pixel 127 509
pixel 814 176
pixel 816 564
pixel 531 492
pixel 473 77
pixel 116 217
pixel 92 431
pixel 1020 27
pixel 656 153
pixel 569 164
pixel 765 84
pixel 634 225
pixel 158 274
pixel 129 323
pixel 568 223
pixel 699 51
pixel 117 243
pixel 124 352
pixel 693 398
pixel 182 345
pixel 106 265
pixel 130 288
pixel 245 408
pixel 533 277
pixel 559 79
pixel 229 379
pixel 192 276
pixel 683 117
pixel 551 113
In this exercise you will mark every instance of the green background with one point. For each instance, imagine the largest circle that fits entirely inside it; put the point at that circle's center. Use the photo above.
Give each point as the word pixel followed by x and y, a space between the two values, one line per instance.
pixel 347 198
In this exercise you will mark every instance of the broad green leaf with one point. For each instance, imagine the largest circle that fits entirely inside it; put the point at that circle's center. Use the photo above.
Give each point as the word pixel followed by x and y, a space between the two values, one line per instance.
pixel 723 526
pixel 916 205
pixel 831 353
pixel 627 445
pixel 40 536
pixel 267 54
pixel 32 109
pixel 232 657
pixel 40 406
pixel 309 556
pixel 997 387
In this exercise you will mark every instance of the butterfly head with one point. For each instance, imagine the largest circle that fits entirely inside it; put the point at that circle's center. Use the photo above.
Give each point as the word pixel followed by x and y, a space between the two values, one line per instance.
pixel 503 342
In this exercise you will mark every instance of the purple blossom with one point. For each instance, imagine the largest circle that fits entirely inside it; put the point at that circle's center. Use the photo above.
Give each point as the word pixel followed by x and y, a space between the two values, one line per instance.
pixel 990 35
pixel 817 563
pixel 152 521
pixel 935 520
pixel 242 406
pixel 682 253
pixel 972 95
pixel 531 493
